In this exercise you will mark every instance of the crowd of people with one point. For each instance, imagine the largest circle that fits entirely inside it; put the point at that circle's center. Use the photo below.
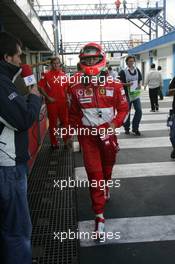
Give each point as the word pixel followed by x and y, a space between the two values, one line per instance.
pixel 97 100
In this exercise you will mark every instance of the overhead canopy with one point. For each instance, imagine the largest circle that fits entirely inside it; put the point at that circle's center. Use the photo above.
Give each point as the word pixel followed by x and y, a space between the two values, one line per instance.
pixel 19 18
pixel 168 39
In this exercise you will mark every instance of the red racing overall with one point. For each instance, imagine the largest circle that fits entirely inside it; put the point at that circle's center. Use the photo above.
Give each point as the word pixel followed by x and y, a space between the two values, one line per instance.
pixel 96 106
pixel 54 83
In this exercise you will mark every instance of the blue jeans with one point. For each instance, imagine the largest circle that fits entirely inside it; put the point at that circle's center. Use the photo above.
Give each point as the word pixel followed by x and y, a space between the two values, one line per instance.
pixel 15 222
pixel 137 115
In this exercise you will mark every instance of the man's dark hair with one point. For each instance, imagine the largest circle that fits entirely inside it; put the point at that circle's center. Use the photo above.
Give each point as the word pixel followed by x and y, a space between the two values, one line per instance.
pixel 110 68
pixel 129 57
pixel 159 68
pixel 153 66
pixel 8 45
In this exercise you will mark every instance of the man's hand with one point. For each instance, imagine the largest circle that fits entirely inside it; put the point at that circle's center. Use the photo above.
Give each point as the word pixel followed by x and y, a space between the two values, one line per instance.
pixel 128 84
pixel 139 86
pixel 33 90
pixel 109 130
pixel 51 99
pixel 112 126
pixel 69 144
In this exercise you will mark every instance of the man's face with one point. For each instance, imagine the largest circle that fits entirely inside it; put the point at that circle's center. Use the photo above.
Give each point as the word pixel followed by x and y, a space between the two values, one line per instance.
pixel 130 62
pixel 56 65
pixel 16 58
pixel 90 61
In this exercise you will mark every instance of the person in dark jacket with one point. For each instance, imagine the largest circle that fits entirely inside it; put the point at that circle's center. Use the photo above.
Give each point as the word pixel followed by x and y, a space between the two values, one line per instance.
pixel 16 116
pixel 172 117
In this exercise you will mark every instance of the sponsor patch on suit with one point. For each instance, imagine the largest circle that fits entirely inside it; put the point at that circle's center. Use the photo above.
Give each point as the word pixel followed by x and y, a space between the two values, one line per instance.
pixel 80 92
pixel 88 92
pixel 109 92
pixel 102 91
pixel 85 100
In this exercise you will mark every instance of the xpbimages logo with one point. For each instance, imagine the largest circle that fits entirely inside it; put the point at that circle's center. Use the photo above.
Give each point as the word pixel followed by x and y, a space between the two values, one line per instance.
pixel 71 235
pixel 85 79
pixel 85 131
pixel 101 184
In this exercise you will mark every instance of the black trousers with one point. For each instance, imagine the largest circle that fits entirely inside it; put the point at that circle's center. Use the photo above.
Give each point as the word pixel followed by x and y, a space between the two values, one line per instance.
pixel 153 95
pixel 160 94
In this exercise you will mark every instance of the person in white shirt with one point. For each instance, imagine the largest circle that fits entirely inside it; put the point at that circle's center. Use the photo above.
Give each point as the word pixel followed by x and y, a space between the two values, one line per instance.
pixel 154 81
pixel 131 78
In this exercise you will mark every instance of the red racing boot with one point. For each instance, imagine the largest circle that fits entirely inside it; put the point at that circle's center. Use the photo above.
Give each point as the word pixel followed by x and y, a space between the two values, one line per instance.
pixel 100 227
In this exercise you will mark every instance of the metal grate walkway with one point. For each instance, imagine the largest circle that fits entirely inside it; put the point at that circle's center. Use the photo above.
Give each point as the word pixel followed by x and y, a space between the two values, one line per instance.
pixel 52 210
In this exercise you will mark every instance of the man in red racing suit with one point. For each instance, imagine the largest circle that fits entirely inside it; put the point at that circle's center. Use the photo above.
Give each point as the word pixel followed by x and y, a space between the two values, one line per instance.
pixel 53 85
pixel 99 108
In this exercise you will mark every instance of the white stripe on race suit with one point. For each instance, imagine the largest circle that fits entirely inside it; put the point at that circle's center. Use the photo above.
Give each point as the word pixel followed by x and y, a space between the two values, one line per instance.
pixel 137 170
pixel 130 230
pixel 91 116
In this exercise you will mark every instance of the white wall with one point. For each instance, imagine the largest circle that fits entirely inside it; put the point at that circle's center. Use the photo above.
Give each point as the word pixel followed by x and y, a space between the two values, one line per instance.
pixel 164 55
pixel 164 58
